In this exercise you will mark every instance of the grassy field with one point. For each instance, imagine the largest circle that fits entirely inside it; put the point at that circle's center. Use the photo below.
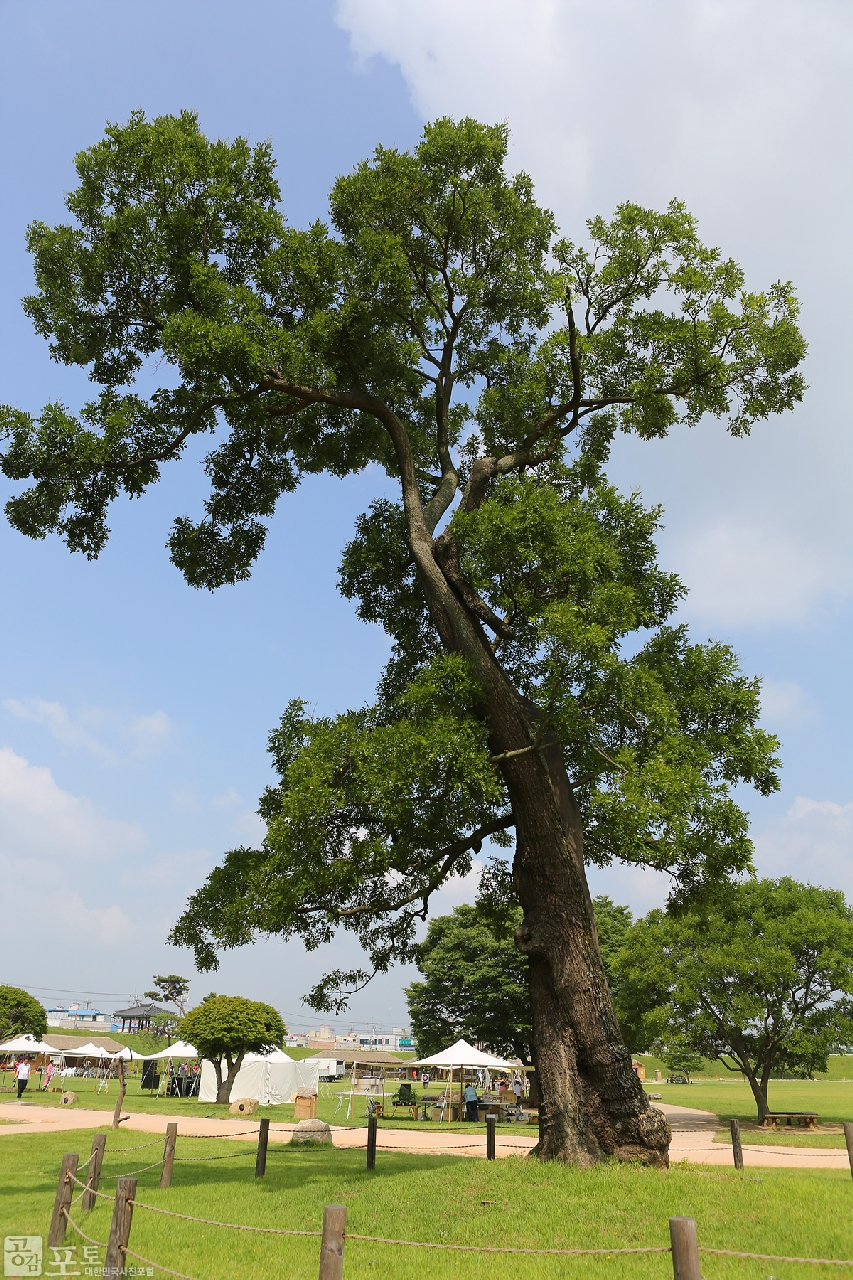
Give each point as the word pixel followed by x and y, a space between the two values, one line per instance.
pixel 832 1099
pixel 439 1199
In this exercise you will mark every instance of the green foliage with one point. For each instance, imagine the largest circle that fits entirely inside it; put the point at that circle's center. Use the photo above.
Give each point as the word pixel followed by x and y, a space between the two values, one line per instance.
pixel 171 987
pixel 762 977
pixel 20 1014
pixel 475 979
pixel 228 1026
pixel 347 344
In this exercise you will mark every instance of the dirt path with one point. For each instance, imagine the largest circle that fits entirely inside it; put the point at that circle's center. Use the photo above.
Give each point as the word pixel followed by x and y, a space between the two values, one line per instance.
pixel 692 1136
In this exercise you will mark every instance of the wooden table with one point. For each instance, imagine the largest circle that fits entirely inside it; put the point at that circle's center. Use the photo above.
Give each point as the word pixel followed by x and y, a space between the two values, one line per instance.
pixel 808 1119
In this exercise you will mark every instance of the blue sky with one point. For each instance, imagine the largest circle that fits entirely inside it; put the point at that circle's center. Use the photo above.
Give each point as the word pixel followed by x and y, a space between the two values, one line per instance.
pixel 134 710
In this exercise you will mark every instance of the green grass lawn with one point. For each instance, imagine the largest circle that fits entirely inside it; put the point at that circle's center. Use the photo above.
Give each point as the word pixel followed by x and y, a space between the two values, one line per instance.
pixel 832 1099
pixel 467 1201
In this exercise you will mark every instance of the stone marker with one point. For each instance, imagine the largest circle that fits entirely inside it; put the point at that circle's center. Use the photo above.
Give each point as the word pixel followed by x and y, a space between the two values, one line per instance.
pixel 244 1107
pixel 312 1131
pixel 69 1098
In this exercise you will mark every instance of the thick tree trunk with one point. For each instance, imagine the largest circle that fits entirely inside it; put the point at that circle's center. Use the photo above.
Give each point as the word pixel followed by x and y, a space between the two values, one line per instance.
pixel 593 1106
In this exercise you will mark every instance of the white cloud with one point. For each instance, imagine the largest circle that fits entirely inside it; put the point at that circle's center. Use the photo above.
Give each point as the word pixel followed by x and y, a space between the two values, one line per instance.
pixel 39 820
pixel 785 702
pixel 747 575
pixel 813 842
pixel 140 736
pixel 47 836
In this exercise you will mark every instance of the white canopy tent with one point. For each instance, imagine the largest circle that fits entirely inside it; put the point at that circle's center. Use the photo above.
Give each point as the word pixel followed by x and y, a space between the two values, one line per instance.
pixel 27 1044
pixel 129 1055
pixel 270 1078
pixel 459 1056
pixel 180 1049
pixel 86 1051
pixel 463 1054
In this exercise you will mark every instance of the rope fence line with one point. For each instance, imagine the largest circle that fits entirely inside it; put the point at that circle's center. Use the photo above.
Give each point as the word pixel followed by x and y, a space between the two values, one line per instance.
pixel 110 1176
pixel 778 1257
pixel 233 1226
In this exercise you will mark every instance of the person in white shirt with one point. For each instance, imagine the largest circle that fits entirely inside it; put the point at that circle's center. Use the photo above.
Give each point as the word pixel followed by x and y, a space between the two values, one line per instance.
pixel 517 1088
pixel 22 1075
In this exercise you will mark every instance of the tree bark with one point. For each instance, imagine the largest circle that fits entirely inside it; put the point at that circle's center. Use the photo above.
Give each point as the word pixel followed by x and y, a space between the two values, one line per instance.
pixel 224 1086
pixel 592 1104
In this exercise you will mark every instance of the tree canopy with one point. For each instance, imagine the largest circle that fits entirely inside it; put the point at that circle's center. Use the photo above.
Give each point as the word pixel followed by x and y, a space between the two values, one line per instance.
pixel 475 981
pixel 20 1014
pixel 761 979
pixel 171 987
pixel 226 1028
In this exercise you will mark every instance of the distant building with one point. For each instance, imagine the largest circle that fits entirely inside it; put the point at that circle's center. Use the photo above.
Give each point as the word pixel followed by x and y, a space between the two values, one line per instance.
pixel 71 1016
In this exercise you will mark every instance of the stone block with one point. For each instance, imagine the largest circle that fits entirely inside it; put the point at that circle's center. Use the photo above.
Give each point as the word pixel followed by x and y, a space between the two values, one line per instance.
pixel 312 1131
pixel 244 1107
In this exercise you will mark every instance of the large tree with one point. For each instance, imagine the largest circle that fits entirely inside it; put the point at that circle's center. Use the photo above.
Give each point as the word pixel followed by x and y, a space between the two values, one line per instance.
pixel 475 982
pixel 535 686
pixel 225 1028
pixel 759 978
pixel 20 1014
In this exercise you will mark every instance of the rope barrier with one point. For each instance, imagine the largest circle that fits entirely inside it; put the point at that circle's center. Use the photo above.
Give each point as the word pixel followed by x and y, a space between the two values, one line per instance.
pixel 776 1257
pixel 102 1194
pixel 485 1248
pixel 100 1243
pixel 232 1155
pixel 133 1172
pixel 233 1226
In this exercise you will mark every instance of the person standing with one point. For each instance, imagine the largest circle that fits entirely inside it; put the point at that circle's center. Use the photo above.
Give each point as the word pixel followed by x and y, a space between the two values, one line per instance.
pixel 517 1089
pixel 47 1077
pixel 472 1111
pixel 22 1075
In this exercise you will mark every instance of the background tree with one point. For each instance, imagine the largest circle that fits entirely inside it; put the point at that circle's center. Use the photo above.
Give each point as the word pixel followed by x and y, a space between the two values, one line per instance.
pixel 511 576
pixel 760 978
pixel 226 1028
pixel 20 1014
pixel 476 983
pixel 171 988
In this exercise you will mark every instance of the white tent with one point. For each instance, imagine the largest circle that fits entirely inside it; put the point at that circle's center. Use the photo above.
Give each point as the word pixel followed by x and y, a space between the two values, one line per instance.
pixel 271 1078
pixel 128 1054
pixel 27 1044
pixel 180 1049
pixel 85 1051
pixel 463 1054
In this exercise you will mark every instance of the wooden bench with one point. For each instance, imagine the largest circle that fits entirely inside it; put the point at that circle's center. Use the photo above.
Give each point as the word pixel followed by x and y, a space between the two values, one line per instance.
pixel 808 1119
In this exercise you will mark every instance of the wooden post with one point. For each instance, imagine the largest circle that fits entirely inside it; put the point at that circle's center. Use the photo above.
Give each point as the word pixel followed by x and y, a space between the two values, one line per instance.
pixel 685 1250
pixel 371 1142
pixel 64 1193
pixel 168 1156
pixel 263 1139
pixel 122 1088
pixel 737 1149
pixel 848 1138
pixel 332 1244
pixel 491 1125
pixel 120 1225
pixel 95 1160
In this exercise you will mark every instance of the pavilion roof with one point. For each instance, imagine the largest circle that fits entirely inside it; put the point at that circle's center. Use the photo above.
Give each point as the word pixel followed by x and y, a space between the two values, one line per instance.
pixel 140 1011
